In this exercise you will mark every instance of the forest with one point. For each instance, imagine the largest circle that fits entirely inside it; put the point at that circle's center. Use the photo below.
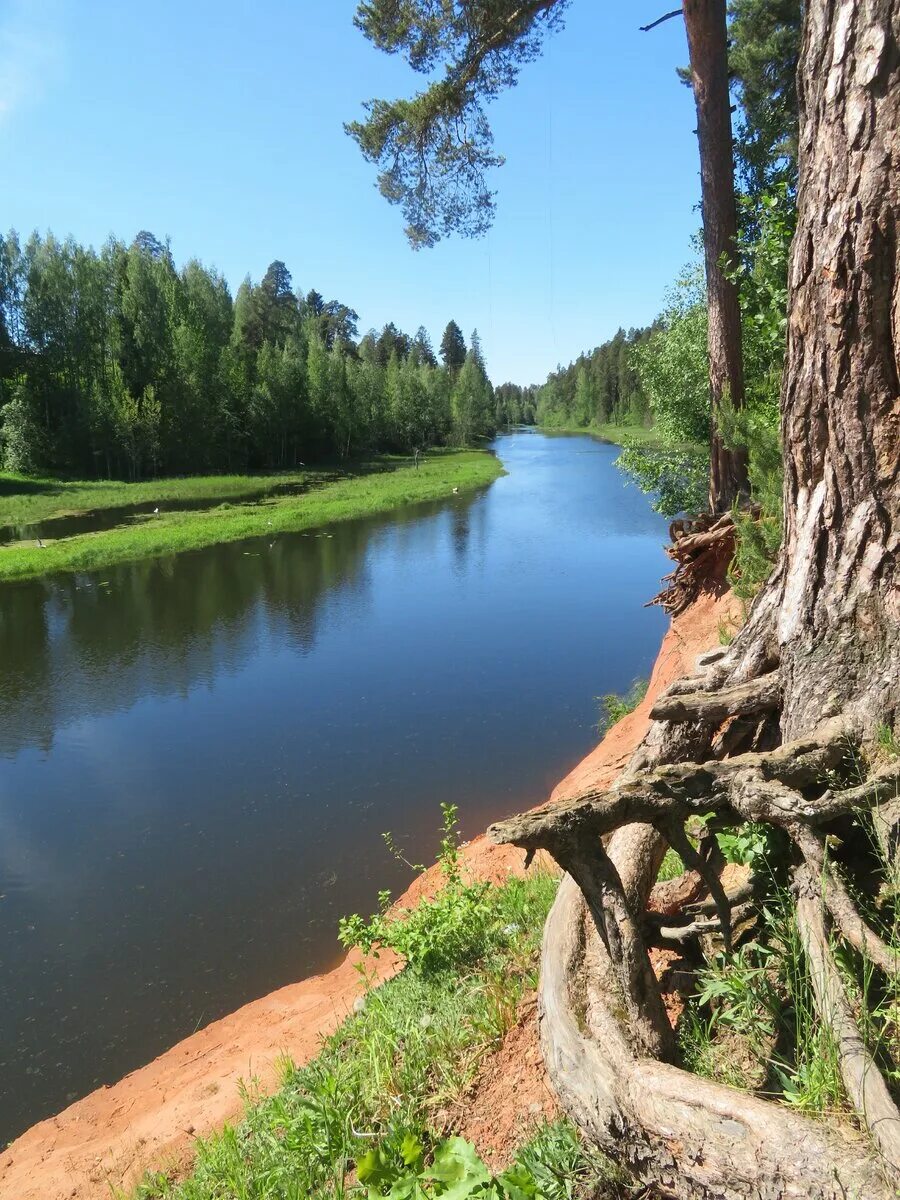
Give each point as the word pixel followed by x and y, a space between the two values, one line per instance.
pixel 118 364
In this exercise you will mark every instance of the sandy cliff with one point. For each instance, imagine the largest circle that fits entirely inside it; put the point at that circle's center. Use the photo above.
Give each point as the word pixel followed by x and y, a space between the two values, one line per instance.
pixel 151 1117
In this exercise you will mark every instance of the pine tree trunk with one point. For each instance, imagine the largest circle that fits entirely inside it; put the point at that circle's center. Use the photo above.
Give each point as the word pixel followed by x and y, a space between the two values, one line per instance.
pixel 707 43
pixel 822 640
pixel 838 625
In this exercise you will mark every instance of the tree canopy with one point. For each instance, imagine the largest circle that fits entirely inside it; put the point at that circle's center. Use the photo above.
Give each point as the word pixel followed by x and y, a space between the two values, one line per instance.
pixel 434 150
pixel 118 363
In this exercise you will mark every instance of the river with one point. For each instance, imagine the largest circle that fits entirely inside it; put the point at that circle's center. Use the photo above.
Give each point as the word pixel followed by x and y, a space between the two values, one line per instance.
pixel 198 754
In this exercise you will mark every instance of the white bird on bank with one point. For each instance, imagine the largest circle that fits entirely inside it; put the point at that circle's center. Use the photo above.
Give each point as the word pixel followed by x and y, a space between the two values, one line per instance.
pixel 156 512
pixel 456 491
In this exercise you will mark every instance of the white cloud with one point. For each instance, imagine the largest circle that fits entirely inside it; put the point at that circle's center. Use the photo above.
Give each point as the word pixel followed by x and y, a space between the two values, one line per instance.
pixel 30 51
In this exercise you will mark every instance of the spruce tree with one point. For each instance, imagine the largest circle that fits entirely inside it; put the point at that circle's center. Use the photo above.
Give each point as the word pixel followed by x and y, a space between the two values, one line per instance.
pixel 453 348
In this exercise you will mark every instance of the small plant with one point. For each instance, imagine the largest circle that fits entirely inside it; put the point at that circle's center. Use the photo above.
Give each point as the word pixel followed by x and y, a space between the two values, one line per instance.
pixel 562 1166
pixel 449 929
pixel 670 867
pixel 729 1027
pixel 887 741
pixel 455 1171
pixel 551 1166
pixel 749 845
pixel 614 707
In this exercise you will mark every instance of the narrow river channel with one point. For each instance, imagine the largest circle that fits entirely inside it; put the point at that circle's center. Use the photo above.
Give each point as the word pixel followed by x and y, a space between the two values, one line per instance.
pixel 198 754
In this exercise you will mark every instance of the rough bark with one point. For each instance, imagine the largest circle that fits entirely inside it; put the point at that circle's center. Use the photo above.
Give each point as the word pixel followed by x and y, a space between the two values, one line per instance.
pixel 708 48
pixel 821 645
pixel 838 625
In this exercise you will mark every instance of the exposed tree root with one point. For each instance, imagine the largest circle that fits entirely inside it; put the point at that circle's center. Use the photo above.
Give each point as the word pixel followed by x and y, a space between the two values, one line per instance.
pixel 693 1139
pixel 702 548
pixel 861 1076
pixel 690 1136
pixel 756 695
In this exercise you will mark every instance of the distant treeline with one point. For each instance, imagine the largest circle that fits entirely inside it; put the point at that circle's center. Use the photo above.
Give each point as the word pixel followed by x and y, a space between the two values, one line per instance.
pixel 119 364
pixel 601 387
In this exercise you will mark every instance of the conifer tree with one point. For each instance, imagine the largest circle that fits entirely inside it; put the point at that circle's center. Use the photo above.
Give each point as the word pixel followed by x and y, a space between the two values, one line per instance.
pixel 453 347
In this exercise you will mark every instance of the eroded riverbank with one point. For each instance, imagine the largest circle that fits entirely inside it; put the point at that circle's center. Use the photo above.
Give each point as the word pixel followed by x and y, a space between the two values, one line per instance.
pixel 150 1119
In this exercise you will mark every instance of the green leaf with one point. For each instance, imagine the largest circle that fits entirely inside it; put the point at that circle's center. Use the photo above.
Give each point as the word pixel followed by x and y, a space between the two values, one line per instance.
pixel 412 1151
pixel 457 1166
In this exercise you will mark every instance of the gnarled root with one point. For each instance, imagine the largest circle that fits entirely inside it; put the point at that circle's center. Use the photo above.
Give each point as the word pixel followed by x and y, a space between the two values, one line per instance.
pixel 601 1028
pixel 862 1079
pixel 694 1139
pixel 701 548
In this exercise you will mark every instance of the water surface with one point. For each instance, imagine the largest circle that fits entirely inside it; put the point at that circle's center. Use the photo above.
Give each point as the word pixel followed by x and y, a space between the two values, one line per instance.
pixel 198 754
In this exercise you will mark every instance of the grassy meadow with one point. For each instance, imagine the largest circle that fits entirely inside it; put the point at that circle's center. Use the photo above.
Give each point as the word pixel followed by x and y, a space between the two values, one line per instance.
pixel 642 435
pixel 384 484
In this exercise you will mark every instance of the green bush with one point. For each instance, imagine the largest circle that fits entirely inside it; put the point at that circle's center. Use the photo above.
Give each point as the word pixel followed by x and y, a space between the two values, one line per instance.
pixel 614 707
pixel 444 931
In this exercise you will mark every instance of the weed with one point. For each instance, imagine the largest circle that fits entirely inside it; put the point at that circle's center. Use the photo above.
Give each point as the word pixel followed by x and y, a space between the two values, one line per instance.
pixel 383 1076
pixel 671 866
pixel 614 707
pixel 450 928
pixel 887 741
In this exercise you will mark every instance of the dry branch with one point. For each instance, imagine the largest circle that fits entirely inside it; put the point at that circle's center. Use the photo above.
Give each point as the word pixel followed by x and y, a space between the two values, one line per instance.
pixel 702 550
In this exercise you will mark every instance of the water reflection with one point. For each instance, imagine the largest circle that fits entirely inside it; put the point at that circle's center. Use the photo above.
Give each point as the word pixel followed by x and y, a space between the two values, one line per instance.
pixel 83 645
pixel 198 754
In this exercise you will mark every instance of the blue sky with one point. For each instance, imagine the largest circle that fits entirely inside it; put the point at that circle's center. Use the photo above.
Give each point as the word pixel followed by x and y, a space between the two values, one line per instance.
pixel 218 123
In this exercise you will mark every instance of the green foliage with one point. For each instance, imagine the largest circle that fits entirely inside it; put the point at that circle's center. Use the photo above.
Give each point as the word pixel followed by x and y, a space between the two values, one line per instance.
pixel 117 364
pixel 563 1167
pixel 614 707
pixel 758 533
pixel 453 347
pixel 451 928
pixel 670 867
pixel 551 1166
pixel 454 1171
pixel 676 477
pixel 435 149
pixel 671 365
pixel 672 368
pixel 764 49
pixel 599 388
pixel 728 1028
pixel 754 1022
pixel 887 741
pixel 749 844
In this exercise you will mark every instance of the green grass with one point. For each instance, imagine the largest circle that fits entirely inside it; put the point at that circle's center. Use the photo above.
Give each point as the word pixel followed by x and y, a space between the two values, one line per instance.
pixel 644 435
pixel 176 531
pixel 26 500
pixel 385 1074
pixel 614 707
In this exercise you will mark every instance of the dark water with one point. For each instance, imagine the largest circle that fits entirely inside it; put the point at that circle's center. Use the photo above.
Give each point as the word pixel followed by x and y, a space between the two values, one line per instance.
pixel 198 754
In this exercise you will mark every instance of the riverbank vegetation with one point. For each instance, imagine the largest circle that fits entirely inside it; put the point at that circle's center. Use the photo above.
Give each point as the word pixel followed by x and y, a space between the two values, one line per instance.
pixel 372 1114
pixel 779 736
pixel 30 499
pixel 376 487
pixel 118 364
